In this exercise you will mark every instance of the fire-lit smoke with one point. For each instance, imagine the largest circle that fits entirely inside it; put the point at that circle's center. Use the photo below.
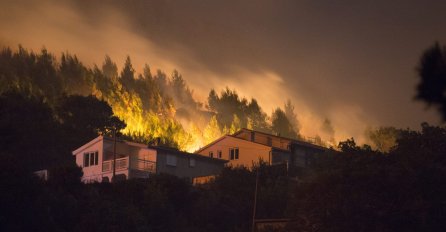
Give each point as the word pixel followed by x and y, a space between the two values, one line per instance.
pixel 91 32
pixel 60 27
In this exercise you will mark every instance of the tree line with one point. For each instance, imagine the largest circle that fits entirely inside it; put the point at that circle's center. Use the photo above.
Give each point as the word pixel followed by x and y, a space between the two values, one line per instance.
pixel 152 104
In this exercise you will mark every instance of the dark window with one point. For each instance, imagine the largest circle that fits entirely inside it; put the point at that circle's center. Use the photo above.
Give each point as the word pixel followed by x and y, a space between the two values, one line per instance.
pixel 96 158
pixel 219 154
pixel 171 160
pixel 86 159
pixel 270 141
pixel 191 162
pixel 234 153
pixel 91 159
pixel 211 154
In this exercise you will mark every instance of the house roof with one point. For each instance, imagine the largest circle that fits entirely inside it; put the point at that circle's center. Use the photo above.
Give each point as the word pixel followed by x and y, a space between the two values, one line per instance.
pixel 157 148
pixel 183 153
pixel 228 136
pixel 295 141
pixel 101 137
pixel 212 143
pixel 110 139
pixel 83 147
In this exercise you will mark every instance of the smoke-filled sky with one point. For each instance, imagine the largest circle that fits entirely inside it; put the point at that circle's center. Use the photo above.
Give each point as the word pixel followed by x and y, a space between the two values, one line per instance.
pixel 350 61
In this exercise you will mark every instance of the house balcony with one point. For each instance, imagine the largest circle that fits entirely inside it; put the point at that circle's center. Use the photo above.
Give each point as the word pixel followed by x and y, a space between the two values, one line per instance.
pixel 130 164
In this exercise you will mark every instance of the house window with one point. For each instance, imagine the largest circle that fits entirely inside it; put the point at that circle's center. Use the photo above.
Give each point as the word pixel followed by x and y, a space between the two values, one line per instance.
pixel 211 154
pixel 219 154
pixel 191 162
pixel 91 159
pixel 86 159
pixel 171 160
pixel 269 141
pixel 233 153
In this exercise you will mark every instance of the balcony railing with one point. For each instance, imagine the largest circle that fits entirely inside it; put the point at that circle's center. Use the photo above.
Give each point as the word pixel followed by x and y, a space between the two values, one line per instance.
pixel 123 164
pixel 144 165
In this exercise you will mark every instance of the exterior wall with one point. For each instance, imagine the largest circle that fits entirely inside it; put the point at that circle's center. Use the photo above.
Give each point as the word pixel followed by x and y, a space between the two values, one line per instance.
pixel 281 157
pixel 119 174
pixel 249 152
pixel 137 154
pixel 281 143
pixel 91 173
pixel 144 157
pixel 261 138
pixel 182 169
pixel 302 155
pixel 123 149
pixel 246 135
pixel 146 154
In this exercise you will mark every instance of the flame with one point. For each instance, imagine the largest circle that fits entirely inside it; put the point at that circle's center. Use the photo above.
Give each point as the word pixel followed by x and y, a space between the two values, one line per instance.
pixel 194 147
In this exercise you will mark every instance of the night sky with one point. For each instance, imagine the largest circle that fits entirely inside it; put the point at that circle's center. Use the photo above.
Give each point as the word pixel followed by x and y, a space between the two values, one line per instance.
pixel 353 62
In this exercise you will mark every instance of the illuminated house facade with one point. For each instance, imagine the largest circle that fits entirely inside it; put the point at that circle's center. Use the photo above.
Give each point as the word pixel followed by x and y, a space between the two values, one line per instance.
pixel 246 147
pixel 135 160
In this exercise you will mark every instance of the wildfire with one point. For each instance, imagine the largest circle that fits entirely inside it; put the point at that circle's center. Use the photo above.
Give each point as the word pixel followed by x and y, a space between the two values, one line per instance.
pixel 153 105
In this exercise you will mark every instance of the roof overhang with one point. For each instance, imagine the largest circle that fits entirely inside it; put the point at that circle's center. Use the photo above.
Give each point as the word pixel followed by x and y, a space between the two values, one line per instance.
pixel 89 144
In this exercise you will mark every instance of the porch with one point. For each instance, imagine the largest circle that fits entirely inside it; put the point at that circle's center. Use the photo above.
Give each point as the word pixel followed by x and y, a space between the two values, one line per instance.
pixel 128 163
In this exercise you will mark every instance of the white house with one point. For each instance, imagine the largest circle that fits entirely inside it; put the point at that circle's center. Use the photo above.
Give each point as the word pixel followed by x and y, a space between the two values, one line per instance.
pixel 135 160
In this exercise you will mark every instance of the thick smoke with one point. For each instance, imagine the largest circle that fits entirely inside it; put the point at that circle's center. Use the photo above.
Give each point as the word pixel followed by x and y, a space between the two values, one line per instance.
pixel 302 51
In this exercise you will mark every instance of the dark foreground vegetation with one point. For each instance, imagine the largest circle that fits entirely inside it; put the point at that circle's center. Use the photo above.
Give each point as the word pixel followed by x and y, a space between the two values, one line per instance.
pixel 354 188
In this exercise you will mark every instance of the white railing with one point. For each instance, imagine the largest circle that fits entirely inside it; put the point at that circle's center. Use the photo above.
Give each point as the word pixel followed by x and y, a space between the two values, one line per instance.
pixel 144 165
pixel 123 164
